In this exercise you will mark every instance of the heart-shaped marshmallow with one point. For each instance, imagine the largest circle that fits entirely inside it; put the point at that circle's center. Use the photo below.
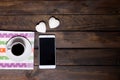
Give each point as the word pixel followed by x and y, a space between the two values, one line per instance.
pixel 53 22
pixel 41 27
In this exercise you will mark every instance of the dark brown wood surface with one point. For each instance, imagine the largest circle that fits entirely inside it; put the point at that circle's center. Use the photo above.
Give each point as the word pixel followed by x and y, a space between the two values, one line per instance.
pixel 88 39
pixel 85 39
pixel 102 57
pixel 32 7
pixel 68 22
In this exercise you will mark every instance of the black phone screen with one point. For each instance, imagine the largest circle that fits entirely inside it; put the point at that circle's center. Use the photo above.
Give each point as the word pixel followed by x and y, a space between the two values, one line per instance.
pixel 47 51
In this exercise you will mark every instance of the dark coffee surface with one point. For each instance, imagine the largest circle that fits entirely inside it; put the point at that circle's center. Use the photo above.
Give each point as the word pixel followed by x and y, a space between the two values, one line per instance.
pixel 18 49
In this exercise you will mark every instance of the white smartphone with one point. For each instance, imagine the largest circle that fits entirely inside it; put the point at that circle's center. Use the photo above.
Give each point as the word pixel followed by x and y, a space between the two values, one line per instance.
pixel 47 52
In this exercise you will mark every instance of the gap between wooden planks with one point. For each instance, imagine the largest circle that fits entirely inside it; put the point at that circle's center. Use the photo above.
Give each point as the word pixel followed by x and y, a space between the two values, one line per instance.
pixel 85 39
pixel 85 57
pixel 25 7
pixel 68 22
pixel 64 73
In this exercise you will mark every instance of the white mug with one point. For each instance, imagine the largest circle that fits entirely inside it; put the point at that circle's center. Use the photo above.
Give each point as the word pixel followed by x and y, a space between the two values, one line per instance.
pixel 18 48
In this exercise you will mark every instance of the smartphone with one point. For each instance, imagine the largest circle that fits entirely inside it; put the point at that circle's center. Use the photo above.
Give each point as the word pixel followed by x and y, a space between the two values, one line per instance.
pixel 47 52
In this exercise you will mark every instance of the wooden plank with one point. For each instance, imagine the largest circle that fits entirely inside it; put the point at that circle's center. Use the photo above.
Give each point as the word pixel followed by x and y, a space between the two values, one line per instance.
pixel 85 39
pixel 64 73
pixel 85 57
pixel 68 22
pixel 12 75
pixel 23 7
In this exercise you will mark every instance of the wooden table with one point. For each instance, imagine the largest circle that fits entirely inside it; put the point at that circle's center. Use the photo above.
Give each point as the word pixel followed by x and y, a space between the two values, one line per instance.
pixel 88 39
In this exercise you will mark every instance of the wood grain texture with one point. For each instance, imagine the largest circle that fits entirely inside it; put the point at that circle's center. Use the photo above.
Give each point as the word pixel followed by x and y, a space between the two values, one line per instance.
pixel 85 39
pixel 68 22
pixel 64 73
pixel 86 57
pixel 26 7
pixel 88 39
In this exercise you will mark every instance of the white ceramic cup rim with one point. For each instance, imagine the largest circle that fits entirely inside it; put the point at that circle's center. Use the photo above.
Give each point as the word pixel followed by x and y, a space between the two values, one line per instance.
pixel 26 53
